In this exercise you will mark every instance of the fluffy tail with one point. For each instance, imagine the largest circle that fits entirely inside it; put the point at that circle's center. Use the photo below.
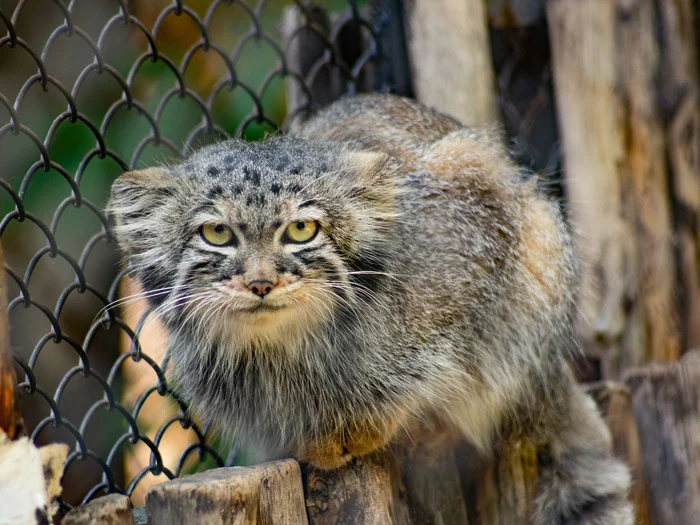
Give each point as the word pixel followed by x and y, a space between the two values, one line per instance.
pixel 580 482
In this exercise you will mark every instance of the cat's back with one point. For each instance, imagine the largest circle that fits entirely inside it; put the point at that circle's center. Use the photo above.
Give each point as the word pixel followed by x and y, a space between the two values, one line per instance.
pixel 473 230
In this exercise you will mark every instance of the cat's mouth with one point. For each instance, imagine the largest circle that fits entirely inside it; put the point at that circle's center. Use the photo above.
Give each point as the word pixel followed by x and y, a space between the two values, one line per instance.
pixel 263 307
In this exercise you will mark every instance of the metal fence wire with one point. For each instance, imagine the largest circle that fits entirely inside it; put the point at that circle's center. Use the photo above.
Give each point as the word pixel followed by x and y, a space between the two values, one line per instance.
pixel 90 89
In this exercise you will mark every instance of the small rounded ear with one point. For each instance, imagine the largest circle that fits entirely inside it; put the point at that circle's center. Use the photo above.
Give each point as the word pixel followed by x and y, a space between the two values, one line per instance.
pixel 135 196
pixel 372 167
pixel 140 189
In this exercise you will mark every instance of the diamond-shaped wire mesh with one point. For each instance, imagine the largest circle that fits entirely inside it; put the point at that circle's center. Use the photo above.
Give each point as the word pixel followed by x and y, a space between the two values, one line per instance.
pixel 90 89
pixel 87 91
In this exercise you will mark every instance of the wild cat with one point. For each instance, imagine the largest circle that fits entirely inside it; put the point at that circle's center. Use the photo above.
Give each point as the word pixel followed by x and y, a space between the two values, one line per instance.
pixel 378 266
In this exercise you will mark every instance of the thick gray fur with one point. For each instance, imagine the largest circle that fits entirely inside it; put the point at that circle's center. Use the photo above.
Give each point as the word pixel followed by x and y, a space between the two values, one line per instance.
pixel 441 284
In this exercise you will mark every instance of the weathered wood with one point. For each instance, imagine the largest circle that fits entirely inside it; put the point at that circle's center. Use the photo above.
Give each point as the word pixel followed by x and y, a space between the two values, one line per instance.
pixel 680 92
pixel 613 400
pixel 450 58
pixel 113 509
pixel 604 60
pixel 357 493
pixel 416 482
pixel 666 406
pixel 269 493
pixel 9 417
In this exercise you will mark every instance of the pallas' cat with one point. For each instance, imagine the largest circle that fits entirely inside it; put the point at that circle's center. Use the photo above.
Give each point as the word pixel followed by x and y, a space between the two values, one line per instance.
pixel 380 266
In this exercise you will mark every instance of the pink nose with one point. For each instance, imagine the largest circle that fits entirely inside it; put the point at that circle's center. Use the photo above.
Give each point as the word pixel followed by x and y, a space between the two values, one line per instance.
pixel 260 288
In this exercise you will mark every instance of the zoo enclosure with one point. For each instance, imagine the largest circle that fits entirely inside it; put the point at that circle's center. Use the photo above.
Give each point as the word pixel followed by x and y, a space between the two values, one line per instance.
pixel 91 89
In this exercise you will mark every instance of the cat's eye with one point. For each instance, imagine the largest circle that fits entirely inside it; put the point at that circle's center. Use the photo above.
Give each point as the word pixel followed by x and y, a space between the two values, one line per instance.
pixel 300 231
pixel 217 234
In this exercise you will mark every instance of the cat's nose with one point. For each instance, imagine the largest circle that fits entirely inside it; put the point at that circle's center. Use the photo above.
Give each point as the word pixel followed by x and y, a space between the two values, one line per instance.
pixel 260 288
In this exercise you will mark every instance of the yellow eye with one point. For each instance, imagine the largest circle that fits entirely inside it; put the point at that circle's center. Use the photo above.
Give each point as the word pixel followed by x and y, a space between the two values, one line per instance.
pixel 301 231
pixel 217 235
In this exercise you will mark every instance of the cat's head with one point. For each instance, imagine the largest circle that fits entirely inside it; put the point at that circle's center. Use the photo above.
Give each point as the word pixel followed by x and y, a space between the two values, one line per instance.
pixel 258 243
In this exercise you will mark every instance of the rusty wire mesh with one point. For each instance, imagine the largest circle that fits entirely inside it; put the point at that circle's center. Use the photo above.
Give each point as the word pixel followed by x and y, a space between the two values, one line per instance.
pixel 89 90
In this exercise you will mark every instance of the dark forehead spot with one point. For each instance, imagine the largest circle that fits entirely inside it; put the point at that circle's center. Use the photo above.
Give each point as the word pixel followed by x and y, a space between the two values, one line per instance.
pixel 229 159
pixel 251 175
pixel 216 191
pixel 310 202
pixel 276 224
pixel 242 226
pixel 296 170
pixel 275 188
pixel 295 188
pixel 324 167
pixel 249 200
pixel 238 188
pixel 213 171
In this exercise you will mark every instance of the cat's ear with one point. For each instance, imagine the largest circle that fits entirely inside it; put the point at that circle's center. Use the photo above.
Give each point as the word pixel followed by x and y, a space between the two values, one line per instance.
pixel 371 167
pixel 140 190
pixel 134 198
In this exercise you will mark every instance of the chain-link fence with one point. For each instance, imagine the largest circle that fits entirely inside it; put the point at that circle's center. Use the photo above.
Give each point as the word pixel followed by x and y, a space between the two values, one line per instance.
pixel 89 90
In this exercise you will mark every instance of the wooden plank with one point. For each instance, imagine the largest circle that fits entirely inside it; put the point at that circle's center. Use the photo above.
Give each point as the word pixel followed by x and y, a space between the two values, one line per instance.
pixel 666 406
pixel 114 509
pixel 604 60
pixel 680 95
pixel 9 417
pixel 267 494
pixel 450 58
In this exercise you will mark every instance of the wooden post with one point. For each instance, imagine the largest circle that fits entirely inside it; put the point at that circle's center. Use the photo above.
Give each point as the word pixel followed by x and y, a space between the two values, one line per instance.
pixel 666 406
pixel 680 96
pixel 450 58
pixel 113 509
pixel 9 418
pixel 604 59
pixel 267 494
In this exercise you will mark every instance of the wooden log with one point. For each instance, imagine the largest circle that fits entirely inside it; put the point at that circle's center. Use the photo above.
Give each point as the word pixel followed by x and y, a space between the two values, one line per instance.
pixel 604 58
pixel 666 406
pixel 113 509
pixel 9 417
pixel 411 483
pixel 680 92
pixel 450 58
pixel 269 493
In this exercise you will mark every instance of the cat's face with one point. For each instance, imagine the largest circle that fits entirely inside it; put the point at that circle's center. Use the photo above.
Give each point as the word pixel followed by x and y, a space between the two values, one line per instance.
pixel 256 244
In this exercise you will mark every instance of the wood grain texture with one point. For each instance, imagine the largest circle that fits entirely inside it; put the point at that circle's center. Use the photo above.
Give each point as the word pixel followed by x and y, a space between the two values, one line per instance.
pixel 450 58
pixel 666 406
pixel 605 59
pixel 9 417
pixel 114 509
pixel 680 102
pixel 267 494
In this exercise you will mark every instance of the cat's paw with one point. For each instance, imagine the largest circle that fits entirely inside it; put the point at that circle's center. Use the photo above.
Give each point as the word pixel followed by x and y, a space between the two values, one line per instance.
pixel 326 453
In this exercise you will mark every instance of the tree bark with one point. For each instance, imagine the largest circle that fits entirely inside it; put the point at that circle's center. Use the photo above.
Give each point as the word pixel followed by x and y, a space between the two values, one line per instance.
pixel 679 90
pixel 266 494
pixel 604 61
pixel 666 406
